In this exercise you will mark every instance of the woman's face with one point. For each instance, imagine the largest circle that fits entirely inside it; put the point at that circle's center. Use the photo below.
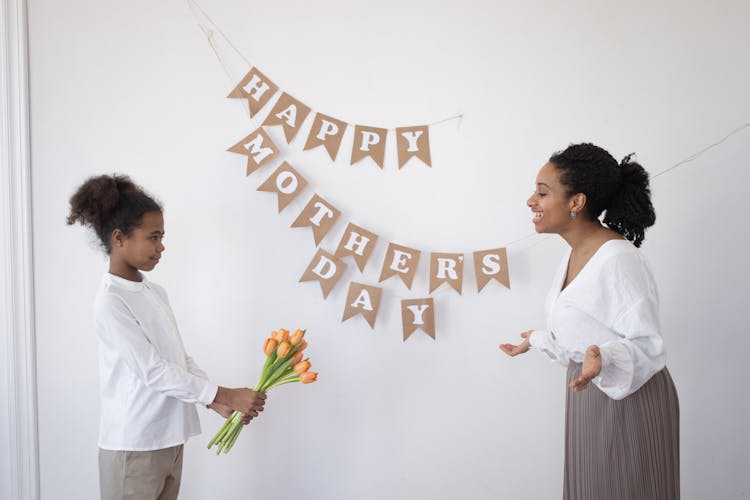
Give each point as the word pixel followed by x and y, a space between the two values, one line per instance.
pixel 550 202
pixel 142 249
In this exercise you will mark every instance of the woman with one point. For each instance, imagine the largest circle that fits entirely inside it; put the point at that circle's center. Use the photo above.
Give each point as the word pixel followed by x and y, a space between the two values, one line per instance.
pixel 622 412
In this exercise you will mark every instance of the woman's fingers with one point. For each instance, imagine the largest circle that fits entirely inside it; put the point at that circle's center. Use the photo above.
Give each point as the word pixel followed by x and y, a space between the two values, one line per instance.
pixel 580 383
pixel 509 349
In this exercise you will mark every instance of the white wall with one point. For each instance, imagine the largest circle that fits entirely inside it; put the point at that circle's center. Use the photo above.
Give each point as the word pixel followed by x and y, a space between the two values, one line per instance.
pixel 133 87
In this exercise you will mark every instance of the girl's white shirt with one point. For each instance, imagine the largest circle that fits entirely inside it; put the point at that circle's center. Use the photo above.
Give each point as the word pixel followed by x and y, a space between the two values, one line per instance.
pixel 149 385
pixel 612 303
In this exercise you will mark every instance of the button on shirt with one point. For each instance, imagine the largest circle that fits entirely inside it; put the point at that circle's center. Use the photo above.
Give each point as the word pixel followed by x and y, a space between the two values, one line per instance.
pixel 149 385
pixel 612 303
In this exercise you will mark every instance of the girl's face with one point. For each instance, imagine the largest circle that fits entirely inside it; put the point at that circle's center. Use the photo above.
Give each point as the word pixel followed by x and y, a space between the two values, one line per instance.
pixel 142 249
pixel 550 202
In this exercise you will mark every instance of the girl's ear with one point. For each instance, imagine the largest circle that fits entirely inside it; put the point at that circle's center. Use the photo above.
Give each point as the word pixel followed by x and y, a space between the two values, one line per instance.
pixel 118 238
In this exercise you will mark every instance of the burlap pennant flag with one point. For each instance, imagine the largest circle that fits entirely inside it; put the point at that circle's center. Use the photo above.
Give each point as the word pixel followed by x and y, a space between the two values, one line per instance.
pixel 369 141
pixel 491 264
pixel 326 131
pixel 256 88
pixel 446 268
pixel 362 299
pixel 401 261
pixel 357 242
pixel 289 113
pixel 286 182
pixel 325 269
pixel 418 313
pixel 411 142
pixel 319 215
pixel 259 149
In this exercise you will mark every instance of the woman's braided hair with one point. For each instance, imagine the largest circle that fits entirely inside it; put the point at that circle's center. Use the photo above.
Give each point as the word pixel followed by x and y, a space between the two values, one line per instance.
pixel 620 189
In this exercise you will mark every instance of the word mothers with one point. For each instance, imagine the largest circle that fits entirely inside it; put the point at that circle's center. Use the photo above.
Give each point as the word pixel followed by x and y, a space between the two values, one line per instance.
pixel 326 131
pixel 358 244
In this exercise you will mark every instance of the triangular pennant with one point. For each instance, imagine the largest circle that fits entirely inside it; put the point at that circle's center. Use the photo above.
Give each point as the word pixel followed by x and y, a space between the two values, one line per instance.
pixel 289 113
pixel 259 149
pixel 256 88
pixel 326 131
pixel 401 261
pixel 489 265
pixel 411 142
pixel 446 268
pixel 325 269
pixel 362 299
pixel 319 215
pixel 418 313
pixel 357 242
pixel 369 141
pixel 286 182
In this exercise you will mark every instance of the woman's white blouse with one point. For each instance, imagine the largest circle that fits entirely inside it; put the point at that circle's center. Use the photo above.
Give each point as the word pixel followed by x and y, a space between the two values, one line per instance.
pixel 149 385
pixel 612 303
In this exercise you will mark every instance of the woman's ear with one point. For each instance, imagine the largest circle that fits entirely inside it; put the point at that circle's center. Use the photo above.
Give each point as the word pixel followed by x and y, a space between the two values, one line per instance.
pixel 577 202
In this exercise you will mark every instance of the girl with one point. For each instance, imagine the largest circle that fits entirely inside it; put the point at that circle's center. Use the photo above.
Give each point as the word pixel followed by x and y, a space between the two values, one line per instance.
pixel 149 384
pixel 622 434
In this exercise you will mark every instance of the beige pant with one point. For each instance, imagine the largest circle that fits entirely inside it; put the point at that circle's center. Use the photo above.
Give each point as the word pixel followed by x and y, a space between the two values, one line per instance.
pixel 140 475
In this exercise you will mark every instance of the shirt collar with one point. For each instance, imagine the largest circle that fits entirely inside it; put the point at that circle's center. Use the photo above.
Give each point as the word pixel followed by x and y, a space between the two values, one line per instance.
pixel 131 286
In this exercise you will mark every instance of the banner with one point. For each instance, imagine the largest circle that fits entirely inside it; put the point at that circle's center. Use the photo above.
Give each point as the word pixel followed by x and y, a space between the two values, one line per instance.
pixel 325 269
pixel 489 265
pixel 401 261
pixel 256 88
pixel 286 182
pixel 411 142
pixel 289 113
pixel 357 242
pixel 259 149
pixel 326 131
pixel 369 141
pixel 319 215
pixel 362 299
pixel 418 313
pixel 446 268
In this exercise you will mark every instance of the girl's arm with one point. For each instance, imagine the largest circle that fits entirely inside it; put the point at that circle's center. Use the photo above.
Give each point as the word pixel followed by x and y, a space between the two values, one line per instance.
pixel 120 332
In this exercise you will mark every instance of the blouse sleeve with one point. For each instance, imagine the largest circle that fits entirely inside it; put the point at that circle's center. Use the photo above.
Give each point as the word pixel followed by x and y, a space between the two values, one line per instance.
pixel 192 366
pixel 546 343
pixel 629 362
pixel 122 333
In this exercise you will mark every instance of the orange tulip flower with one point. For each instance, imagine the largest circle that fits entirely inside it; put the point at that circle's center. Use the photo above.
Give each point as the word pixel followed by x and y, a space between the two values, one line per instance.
pixel 303 346
pixel 297 337
pixel 269 346
pixel 282 335
pixel 308 377
pixel 283 349
pixel 301 367
pixel 296 358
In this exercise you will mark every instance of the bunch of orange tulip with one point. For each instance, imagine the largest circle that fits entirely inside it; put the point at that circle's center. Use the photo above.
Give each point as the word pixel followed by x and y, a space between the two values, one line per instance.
pixel 284 365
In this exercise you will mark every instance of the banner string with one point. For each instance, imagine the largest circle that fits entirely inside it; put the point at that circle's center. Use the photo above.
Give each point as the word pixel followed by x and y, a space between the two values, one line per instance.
pixel 209 38
pixel 196 9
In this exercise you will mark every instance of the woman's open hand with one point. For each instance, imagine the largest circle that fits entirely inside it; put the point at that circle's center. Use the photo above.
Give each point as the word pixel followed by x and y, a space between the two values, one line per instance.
pixel 592 366
pixel 515 350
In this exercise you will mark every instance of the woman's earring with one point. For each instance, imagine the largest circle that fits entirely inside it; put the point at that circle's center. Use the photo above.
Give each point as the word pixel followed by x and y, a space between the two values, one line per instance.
pixel 573 214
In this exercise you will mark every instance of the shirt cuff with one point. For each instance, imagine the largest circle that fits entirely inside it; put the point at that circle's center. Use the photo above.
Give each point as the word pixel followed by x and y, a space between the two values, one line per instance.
pixel 536 339
pixel 615 373
pixel 208 394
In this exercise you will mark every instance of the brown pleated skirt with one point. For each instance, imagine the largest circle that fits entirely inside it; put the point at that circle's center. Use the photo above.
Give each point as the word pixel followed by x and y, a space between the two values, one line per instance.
pixel 622 450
